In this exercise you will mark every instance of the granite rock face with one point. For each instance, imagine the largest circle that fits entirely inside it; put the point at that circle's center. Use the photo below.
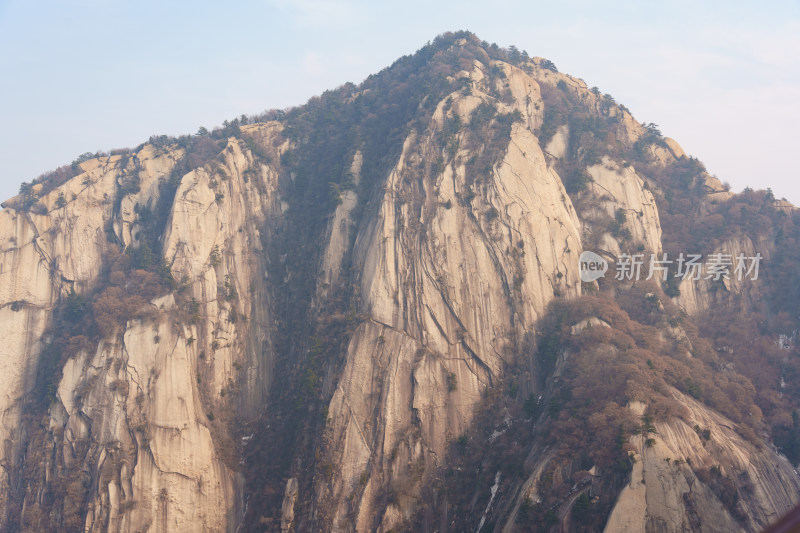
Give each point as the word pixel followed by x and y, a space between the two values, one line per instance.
pixel 142 400
pixel 665 493
pixel 451 269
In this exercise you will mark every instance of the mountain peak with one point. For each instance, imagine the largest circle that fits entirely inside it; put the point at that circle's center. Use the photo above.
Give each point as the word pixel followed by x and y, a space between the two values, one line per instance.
pixel 369 313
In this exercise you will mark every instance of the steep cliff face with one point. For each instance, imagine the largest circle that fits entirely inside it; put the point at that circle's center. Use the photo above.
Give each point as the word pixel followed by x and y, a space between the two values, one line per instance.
pixel 43 256
pixel 136 411
pixel 452 270
pixel 693 473
pixel 665 492
pixel 698 295
pixel 299 323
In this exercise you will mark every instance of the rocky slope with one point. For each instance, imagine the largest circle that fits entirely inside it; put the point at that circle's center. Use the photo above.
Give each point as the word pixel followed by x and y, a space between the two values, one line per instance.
pixel 292 324
pixel 666 494
pixel 142 399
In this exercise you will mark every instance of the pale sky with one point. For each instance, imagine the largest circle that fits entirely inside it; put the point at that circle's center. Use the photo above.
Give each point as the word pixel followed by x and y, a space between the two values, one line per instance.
pixel 721 78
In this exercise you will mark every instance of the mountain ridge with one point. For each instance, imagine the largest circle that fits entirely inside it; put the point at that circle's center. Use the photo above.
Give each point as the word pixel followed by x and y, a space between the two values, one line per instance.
pixel 337 303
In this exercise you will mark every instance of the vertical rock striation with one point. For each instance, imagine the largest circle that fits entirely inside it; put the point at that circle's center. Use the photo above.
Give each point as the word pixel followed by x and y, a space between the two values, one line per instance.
pixel 436 255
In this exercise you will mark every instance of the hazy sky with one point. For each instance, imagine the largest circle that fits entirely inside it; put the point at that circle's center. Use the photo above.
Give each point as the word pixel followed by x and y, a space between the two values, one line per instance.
pixel 722 78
